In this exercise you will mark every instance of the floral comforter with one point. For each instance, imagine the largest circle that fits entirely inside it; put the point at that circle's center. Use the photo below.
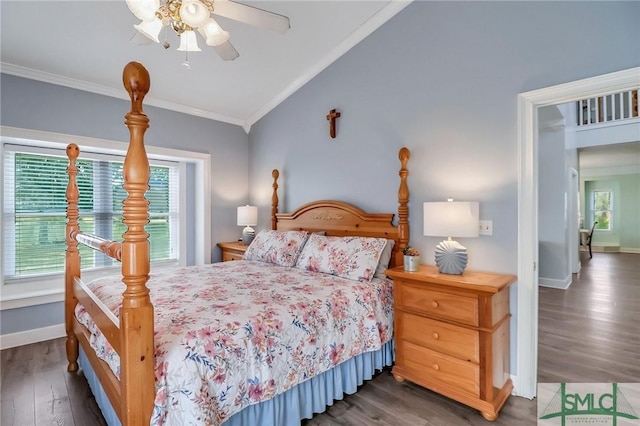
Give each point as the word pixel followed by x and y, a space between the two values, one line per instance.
pixel 232 334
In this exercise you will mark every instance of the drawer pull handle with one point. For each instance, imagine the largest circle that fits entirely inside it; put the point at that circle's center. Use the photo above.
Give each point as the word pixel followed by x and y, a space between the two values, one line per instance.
pixel 436 367
pixel 435 335
pixel 434 304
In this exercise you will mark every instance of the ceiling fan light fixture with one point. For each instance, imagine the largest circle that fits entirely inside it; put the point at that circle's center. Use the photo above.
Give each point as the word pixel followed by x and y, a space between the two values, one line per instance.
pixel 213 34
pixel 145 10
pixel 194 13
pixel 188 42
pixel 187 16
pixel 210 28
pixel 218 39
pixel 150 29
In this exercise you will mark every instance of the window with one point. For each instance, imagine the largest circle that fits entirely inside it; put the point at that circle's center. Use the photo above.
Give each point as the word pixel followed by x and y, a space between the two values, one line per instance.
pixel 601 206
pixel 34 209
pixel 189 213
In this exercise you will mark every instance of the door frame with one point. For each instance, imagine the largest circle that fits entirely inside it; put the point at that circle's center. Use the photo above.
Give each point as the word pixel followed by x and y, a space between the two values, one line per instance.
pixel 573 224
pixel 527 134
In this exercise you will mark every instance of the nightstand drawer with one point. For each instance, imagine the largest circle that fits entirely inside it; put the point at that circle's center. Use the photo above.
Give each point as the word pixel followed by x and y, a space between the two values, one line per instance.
pixel 435 303
pixel 233 250
pixel 227 255
pixel 436 370
pixel 460 342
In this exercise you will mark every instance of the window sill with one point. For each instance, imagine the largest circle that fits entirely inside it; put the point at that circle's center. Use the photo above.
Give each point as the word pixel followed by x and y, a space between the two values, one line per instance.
pixel 31 299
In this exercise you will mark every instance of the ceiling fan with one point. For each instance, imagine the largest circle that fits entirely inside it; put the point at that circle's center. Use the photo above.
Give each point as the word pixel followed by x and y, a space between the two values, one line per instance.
pixel 186 17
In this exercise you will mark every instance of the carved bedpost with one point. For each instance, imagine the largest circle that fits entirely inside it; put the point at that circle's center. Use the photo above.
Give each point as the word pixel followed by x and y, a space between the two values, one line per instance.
pixel 72 257
pixel 274 199
pixel 403 200
pixel 136 316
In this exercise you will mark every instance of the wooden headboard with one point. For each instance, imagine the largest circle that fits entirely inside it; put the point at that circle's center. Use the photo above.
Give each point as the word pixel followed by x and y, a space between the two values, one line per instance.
pixel 337 218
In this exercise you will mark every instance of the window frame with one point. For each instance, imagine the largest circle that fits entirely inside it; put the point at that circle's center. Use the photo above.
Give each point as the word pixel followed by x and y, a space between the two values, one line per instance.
pixel 103 192
pixel 47 289
pixel 594 212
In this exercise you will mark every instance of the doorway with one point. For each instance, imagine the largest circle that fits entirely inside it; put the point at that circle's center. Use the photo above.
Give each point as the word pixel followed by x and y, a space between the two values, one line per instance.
pixel 527 287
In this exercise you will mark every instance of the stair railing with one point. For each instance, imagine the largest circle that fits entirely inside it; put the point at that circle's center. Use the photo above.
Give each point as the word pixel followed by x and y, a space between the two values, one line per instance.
pixel 603 109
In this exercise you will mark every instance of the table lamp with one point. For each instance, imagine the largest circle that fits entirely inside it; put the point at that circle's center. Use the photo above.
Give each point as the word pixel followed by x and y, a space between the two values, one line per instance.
pixel 248 217
pixel 451 219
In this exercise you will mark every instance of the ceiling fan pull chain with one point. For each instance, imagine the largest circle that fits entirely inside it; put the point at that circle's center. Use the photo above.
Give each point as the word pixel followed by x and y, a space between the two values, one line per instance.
pixel 186 63
pixel 166 44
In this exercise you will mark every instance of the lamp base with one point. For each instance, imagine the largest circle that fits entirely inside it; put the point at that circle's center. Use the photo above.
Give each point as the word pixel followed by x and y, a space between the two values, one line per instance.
pixel 451 257
pixel 248 234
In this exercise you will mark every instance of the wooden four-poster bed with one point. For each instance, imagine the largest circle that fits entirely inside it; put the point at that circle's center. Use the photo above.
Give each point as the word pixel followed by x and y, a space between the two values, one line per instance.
pixel 123 333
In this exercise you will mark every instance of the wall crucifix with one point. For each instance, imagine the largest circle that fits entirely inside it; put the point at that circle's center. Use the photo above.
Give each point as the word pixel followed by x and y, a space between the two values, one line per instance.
pixel 333 115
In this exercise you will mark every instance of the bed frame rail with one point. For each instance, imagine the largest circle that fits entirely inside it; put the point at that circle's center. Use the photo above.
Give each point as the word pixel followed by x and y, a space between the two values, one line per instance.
pixel 113 249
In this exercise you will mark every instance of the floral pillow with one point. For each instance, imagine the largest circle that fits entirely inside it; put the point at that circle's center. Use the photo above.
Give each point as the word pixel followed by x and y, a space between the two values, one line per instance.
pixel 278 247
pixel 355 258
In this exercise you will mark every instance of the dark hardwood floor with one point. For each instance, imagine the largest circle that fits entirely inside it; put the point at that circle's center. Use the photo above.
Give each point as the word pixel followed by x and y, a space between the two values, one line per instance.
pixel 37 390
pixel 588 333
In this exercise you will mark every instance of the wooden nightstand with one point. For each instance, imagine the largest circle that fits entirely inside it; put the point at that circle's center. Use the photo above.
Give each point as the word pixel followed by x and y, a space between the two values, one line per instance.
pixel 452 334
pixel 233 250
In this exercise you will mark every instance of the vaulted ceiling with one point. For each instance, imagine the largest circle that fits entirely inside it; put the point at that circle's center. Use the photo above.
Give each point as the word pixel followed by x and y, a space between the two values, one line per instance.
pixel 85 45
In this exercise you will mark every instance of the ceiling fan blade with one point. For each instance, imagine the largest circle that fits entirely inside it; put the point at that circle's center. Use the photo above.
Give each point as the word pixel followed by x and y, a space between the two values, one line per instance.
pixel 251 15
pixel 226 51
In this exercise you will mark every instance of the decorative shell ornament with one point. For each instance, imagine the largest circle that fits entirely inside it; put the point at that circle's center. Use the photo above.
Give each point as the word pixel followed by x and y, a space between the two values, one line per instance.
pixel 451 257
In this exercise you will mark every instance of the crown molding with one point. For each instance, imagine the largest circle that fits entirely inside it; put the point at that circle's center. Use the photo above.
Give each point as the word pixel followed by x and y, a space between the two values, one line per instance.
pixel 382 16
pixel 45 77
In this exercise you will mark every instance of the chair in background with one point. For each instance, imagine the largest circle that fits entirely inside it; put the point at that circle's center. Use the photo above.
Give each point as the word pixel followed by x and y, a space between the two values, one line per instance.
pixel 590 238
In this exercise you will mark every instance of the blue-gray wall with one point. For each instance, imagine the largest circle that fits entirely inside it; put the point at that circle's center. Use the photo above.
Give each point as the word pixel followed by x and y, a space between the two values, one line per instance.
pixel 441 78
pixel 34 105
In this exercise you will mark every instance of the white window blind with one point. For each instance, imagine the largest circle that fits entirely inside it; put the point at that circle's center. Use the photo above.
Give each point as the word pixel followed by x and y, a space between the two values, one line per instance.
pixel 34 207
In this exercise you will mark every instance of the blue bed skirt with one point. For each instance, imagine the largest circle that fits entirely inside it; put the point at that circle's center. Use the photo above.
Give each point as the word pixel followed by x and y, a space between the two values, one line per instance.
pixel 287 409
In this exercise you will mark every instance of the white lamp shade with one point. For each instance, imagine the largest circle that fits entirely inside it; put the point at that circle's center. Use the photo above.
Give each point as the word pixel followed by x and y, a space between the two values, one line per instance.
pixel 214 35
pixel 145 10
pixel 150 29
pixel 247 215
pixel 451 219
pixel 194 13
pixel 188 42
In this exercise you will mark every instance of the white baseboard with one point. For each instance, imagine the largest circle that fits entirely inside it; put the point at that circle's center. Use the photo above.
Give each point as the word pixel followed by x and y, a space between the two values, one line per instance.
pixel 32 336
pixel 632 250
pixel 605 248
pixel 514 392
pixel 555 283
